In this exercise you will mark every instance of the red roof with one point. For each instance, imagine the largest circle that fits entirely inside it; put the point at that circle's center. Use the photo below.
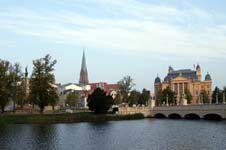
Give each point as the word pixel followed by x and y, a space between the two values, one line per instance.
pixel 105 86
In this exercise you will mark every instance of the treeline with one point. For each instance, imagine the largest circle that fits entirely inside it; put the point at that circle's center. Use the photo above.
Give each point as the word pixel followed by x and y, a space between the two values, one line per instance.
pixel 13 84
pixel 127 94
pixel 218 95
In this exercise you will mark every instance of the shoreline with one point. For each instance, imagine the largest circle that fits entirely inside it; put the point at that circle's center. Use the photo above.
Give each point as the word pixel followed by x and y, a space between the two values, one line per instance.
pixel 66 118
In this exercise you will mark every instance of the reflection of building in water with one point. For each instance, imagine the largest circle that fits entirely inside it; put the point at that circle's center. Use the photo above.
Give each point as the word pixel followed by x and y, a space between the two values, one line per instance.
pixel 180 80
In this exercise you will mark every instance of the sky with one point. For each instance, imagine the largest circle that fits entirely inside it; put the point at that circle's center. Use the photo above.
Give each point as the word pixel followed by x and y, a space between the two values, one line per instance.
pixel 140 38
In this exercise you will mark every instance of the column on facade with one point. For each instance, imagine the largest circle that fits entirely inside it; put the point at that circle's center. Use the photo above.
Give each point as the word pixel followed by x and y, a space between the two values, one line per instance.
pixel 178 93
pixel 183 88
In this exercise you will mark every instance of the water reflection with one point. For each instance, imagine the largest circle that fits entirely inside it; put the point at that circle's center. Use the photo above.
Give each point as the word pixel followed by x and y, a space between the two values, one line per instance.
pixel 132 135
pixel 44 137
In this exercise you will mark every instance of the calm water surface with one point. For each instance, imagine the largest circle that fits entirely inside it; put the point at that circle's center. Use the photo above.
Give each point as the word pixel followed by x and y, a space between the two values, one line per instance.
pixel 122 135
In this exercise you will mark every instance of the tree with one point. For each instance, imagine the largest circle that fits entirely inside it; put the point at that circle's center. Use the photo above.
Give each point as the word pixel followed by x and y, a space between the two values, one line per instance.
pixel 224 94
pixel 4 84
pixel 118 98
pixel 188 96
pixel 164 95
pixel 99 101
pixel 41 82
pixel 72 99
pixel 21 94
pixel 133 97
pixel 125 86
pixel 159 98
pixel 23 90
pixel 217 94
pixel 144 97
pixel 16 89
pixel 53 98
pixel 205 97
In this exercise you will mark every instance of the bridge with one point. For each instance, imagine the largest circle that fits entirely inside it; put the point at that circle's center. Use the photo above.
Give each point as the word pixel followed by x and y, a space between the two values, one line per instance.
pixel 204 111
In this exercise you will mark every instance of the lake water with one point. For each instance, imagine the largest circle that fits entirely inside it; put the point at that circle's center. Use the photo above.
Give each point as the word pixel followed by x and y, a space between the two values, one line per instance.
pixel 145 134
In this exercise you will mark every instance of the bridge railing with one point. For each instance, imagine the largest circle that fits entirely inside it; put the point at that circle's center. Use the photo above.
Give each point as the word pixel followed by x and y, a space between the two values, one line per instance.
pixel 191 107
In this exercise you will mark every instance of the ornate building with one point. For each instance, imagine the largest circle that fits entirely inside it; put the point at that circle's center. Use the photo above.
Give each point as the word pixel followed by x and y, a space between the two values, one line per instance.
pixel 180 80
pixel 83 73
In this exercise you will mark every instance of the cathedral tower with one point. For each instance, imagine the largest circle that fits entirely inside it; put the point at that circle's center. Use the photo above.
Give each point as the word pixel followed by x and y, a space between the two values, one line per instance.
pixel 83 73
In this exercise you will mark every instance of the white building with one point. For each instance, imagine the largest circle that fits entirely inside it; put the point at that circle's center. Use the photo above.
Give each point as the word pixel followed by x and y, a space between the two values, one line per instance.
pixel 80 90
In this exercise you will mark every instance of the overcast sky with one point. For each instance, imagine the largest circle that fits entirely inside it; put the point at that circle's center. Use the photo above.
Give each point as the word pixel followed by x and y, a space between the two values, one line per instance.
pixel 140 38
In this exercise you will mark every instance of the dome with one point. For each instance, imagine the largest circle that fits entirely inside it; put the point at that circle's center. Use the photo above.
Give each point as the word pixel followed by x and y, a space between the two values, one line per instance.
pixel 166 78
pixel 157 80
pixel 208 77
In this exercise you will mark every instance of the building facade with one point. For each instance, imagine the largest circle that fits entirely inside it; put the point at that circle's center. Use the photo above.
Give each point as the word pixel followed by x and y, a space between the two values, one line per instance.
pixel 180 80
pixel 84 88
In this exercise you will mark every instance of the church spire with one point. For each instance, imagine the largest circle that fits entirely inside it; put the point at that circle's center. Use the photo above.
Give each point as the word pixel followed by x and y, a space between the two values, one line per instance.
pixel 83 73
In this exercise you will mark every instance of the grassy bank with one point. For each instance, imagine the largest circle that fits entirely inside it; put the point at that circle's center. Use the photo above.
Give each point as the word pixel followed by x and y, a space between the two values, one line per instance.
pixel 64 118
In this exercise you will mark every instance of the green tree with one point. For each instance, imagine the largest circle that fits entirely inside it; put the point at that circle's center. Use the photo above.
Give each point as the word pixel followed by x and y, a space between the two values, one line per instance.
pixel 16 83
pixel 205 97
pixel 72 99
pixel 21 94
pixel 133 97
pixel 164 95
pixel 125 86
pixel 159 98
pixel 144 97
pixel 99 101
pixel 41 82
pixel 53 98
pixel 118 98
pixel 4 84
pixel 188 96
pixel 224 94
pixel 217 93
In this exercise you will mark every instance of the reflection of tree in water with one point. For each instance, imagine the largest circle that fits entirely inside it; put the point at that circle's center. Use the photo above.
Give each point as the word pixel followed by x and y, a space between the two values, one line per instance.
pixel 45 137
pixel 15 137
pixel 4 137
pixel 101 133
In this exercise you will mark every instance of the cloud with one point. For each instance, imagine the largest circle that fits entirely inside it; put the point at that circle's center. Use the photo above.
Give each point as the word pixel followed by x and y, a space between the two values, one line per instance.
pixel 131 26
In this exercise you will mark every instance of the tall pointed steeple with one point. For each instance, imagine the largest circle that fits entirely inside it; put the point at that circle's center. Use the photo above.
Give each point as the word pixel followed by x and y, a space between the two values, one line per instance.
pixel 84 73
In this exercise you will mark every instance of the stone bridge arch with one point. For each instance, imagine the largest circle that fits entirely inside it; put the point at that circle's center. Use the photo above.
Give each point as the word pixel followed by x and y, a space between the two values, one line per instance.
pixel 192 116
pixel 212 116
pixel 160 115
pixel 175 116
